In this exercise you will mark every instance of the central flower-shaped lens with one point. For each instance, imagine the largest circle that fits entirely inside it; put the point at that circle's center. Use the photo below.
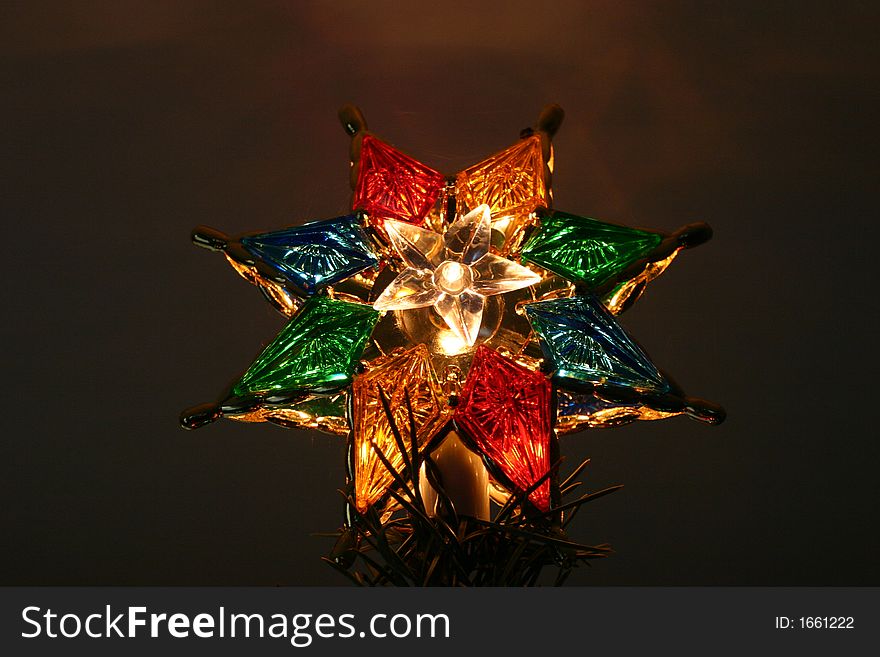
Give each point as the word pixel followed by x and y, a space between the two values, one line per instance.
pixel 453 277
pixel 453 272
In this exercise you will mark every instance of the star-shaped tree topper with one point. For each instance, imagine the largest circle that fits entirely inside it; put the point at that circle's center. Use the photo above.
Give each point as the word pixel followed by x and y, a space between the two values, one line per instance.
pixel 458 304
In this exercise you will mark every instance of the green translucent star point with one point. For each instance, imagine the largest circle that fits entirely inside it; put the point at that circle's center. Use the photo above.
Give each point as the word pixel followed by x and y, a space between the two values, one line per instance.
pixel 316 351
pixel 586 250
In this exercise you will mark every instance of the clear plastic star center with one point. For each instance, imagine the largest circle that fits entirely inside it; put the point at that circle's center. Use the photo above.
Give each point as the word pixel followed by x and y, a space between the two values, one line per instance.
pixel 454 272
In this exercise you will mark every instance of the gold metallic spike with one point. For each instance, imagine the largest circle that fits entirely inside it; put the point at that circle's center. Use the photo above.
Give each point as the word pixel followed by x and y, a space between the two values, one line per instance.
pixel 326 413
pixel 608 417
pixel 623 295
pixel 399 375
pixel 284 300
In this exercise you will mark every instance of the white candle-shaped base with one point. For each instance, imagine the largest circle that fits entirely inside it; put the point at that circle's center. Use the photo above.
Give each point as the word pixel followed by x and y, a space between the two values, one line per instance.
pixel 463 476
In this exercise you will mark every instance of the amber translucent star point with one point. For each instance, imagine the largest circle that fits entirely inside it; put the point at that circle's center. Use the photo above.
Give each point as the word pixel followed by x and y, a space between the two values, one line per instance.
pixel 408 382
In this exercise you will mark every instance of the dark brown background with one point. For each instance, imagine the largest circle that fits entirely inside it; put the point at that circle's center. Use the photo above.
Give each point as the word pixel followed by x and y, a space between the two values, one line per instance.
pixel 125 124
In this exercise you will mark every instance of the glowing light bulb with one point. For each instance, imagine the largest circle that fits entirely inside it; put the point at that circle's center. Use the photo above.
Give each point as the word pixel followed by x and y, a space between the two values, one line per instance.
pixel 453 277
pixel 453 271
pixel 452 344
